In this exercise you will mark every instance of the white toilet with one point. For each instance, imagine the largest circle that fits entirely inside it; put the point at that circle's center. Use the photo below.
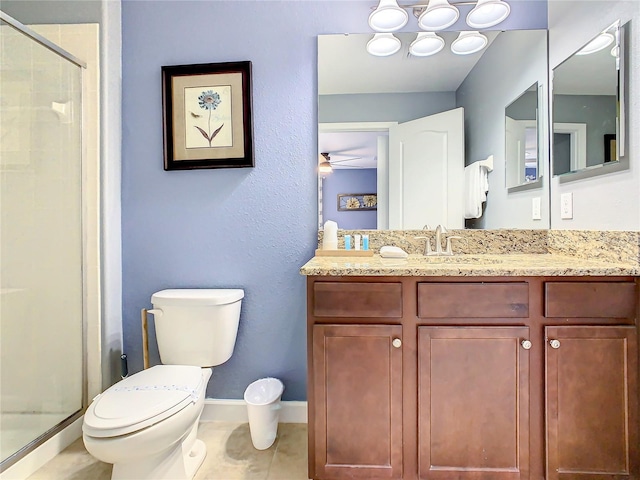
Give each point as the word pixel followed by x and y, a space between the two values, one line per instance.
pixel 146 424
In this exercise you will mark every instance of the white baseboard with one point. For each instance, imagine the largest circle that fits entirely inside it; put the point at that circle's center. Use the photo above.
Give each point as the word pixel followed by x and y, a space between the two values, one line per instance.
pixel 28 465
pixel 216 410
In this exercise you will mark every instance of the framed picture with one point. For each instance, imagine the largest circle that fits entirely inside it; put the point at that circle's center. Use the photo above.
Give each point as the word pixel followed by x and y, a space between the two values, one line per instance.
pixel 207 117
pixel 610 153
pixel 357 201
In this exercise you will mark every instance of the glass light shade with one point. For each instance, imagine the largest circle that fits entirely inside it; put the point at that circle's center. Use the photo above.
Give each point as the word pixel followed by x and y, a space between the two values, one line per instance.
pixel 615 51
pixel 468 43
pixel 600 42
pixel 438 15
pixel 388 17
pixel 383 45
pixel 488 13
pixel 325 167
pixel 425 44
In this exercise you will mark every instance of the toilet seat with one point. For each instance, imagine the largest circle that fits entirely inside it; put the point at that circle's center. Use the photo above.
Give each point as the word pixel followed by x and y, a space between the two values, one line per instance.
pixel 146 398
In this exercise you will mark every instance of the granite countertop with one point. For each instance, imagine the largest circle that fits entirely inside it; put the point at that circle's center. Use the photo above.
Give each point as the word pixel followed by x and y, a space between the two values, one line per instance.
pixel 480 265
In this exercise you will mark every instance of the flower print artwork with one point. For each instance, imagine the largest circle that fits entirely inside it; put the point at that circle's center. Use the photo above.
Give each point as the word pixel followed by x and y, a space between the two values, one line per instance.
pixel 208 117
pixel 209 100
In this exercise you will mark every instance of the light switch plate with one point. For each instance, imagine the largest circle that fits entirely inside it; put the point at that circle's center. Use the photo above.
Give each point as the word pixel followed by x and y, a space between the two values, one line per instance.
pixel 566 206
pixel 535 209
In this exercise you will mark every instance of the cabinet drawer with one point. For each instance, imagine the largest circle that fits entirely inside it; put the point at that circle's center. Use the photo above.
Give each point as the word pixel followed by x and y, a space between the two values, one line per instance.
pixel 357 299
pixel 473 300
pixel 590 299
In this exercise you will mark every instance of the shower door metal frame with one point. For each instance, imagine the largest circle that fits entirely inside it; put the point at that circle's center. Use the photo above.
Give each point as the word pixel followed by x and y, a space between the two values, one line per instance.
pixel 40 39
pixel 29 447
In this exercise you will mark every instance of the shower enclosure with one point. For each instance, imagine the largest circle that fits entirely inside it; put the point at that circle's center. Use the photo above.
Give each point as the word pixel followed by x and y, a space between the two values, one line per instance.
pixel 42 373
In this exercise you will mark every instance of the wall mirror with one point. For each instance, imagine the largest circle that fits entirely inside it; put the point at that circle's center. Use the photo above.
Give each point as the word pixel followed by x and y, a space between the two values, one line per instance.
pixel 589 108
pixel 521 140
pixel 362 99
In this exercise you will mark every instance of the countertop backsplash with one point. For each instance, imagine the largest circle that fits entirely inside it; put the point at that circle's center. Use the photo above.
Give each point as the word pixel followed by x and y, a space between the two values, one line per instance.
pixel 616 246
pixel 602 245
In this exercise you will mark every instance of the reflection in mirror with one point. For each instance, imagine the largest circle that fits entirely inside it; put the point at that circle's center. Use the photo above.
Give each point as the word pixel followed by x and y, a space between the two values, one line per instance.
pixel 521 136
pixel 446 110
pixel 587 108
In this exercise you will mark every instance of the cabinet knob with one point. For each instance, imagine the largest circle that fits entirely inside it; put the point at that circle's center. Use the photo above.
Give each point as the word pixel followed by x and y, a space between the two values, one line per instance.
pixel 526 344
pixel 554 343
pixel 397 343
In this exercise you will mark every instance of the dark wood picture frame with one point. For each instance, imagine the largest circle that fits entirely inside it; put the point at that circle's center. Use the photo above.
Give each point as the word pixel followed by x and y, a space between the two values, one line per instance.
pixel 610 152
pixel 207 116
pixel 352 202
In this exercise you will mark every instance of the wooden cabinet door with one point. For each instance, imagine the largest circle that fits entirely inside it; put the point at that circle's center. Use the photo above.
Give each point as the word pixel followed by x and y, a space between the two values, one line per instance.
pixel 592 406
pixel 357 419
pixel 473 403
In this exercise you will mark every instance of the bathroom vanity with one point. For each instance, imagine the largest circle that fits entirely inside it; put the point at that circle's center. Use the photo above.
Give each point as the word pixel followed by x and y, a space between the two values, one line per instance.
pixel 473 367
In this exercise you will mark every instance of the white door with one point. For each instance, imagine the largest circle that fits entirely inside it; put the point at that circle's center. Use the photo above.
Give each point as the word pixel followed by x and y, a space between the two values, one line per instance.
pixel 426 172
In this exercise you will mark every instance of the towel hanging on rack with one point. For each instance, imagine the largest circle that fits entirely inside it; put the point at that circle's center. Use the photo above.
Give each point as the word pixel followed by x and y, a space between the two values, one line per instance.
pixel 476 186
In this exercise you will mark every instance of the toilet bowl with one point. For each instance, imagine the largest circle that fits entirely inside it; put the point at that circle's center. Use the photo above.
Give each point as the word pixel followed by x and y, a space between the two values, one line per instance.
pixel 146 425
pixel 142 424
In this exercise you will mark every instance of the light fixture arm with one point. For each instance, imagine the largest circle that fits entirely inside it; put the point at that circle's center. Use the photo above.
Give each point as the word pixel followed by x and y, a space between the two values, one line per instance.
pixel 418 8
pixel 426 4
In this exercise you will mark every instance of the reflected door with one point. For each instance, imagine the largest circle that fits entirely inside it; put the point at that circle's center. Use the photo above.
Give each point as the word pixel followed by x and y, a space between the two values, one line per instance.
pixel 521 144
pixel 426 172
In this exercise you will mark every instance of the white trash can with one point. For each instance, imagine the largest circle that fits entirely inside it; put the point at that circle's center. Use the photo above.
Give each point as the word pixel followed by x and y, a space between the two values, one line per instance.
pixel 263 406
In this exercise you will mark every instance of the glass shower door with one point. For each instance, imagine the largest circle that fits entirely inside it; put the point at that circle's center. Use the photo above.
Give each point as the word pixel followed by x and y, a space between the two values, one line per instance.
pixel 41 241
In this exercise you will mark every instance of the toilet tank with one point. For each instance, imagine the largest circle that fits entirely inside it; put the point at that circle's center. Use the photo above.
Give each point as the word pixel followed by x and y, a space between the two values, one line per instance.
pixel 196 326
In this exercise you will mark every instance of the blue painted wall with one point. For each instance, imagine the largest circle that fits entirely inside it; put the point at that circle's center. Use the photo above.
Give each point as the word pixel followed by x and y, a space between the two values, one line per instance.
pixel 249 228
pixel 382 107
pixel 349 181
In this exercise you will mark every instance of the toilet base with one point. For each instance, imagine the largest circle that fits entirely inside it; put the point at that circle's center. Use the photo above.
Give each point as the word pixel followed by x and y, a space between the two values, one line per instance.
pixel 181 463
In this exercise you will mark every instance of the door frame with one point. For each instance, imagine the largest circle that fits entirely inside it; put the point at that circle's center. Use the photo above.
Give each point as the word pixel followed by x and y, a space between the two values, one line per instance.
pixel 382 166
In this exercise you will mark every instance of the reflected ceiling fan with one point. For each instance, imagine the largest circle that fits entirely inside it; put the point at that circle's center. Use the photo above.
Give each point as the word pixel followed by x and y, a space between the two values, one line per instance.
pixel 327 163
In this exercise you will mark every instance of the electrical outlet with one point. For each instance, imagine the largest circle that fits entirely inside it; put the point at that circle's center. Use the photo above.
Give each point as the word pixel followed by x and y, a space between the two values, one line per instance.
pixel 535 209
pixel 566 206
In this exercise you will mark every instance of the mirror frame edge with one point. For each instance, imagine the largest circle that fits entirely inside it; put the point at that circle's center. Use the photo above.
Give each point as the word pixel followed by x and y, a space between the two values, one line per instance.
pixel 623 98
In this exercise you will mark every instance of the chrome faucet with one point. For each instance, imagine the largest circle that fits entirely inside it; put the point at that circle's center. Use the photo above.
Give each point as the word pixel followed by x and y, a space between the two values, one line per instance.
pixel 427 246
pixel 440 230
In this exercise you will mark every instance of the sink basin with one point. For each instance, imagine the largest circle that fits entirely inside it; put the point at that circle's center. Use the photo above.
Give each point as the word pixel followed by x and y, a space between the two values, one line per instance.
pixel 459 259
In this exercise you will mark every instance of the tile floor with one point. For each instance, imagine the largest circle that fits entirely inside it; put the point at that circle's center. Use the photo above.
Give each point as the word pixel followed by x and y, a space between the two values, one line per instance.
pixel 230 456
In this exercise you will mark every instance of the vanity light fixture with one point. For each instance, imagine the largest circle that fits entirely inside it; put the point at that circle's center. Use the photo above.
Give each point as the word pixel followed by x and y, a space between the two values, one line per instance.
pixel 600 42
pixel 469 42
pixel 425 44
pixel 488 13
pixel 383 44
pixel 434 15
pixel 388 17
pixel 438 15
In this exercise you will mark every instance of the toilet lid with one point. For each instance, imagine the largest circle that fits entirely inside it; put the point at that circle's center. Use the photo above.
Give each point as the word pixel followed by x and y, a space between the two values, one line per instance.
pixel 143 399
pixel 196 297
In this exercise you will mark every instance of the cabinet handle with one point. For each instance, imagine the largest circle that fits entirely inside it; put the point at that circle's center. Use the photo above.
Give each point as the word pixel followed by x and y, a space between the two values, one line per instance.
pixel 554 343
pixel 397 343
pixel 526 344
